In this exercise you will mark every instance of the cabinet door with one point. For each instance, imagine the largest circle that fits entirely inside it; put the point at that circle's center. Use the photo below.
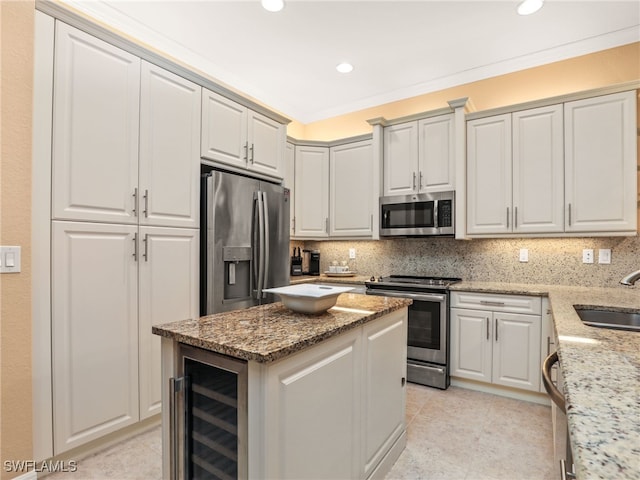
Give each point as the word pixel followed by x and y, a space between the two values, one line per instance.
pixel 94 331
pixel 471 344
pixel 538 170
pixel 400 159
pixel 169 142
pixel 601 163
pixel 385 363
pixel 313 412
pixel 489 175
pixel 224 130
pixel 168 291
pixel 289 182
pixel 436 153
pixel 312 192
pixel 95 129
pixel 516 350
pixel 350 189
pixel 266 139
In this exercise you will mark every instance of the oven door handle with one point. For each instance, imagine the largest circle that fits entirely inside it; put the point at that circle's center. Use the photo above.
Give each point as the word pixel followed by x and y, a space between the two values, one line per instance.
pixel 424 297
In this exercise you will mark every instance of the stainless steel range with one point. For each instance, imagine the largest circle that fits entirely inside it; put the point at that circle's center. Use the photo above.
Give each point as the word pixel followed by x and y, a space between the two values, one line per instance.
pixel 428 338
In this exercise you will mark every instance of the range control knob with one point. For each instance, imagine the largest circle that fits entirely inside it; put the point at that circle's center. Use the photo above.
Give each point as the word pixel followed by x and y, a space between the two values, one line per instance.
pixel 379 279
pixel 372 279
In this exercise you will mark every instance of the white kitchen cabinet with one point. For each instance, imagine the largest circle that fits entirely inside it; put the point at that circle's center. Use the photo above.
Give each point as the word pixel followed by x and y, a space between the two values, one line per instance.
pixel 94 331
pixel 489 175
pixel 601 163
pixel 95 129
pixel 384 376
pixel 419 156
pixel 490 343
pixel 342 399
pixel 351 190
pixel 312 188
pixel 288 181
pixel 400 159
pixel 538 170
pixel 168 291
pixel 234 135
pixel 169 149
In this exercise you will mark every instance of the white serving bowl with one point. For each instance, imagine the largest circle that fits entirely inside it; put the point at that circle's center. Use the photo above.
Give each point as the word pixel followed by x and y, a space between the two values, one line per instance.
pixel 307 297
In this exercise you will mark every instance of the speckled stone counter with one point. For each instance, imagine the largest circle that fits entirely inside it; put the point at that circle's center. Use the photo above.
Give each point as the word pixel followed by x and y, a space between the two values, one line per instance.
pixel 270 332
pixel 601 369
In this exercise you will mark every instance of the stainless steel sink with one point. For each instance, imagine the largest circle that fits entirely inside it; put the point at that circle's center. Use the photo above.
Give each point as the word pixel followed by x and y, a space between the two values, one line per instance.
pixel 609 318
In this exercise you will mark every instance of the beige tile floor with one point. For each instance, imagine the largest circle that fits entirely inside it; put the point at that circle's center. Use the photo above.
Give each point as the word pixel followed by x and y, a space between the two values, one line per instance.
pixel 456 434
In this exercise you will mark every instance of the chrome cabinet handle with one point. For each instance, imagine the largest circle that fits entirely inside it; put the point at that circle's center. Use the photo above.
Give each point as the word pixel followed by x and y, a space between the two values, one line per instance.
pixel 251 149
pixel 146 203
pixel 492 303
pixel 507 217
pixel 326 225
pixel 414 180
pixel 293 224
pixel 135 247
pixel 556 396
pixel 246 151
pixel 487 328
pixel 371 223
pixel 515 220
pixel 135 202
pixel 496 330
pixel 420 180
pixel 569 214
pixel 146 244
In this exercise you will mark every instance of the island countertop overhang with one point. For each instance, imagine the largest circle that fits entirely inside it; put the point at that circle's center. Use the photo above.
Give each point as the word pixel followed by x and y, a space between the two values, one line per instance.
pixel 267 333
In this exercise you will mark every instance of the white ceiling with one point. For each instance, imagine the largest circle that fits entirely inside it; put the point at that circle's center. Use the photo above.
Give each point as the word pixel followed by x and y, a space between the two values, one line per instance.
pixel 399 49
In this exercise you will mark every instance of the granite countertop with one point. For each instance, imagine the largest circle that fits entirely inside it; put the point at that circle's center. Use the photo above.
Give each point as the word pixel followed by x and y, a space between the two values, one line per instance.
pixel 269 332
pixel 601 370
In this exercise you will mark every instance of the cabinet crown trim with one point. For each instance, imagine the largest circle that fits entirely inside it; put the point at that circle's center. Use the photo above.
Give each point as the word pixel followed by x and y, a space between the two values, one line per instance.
pixel 330 143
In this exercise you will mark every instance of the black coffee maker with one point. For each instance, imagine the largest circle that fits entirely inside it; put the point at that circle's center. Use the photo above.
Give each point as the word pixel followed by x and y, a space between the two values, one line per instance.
pixel 310 262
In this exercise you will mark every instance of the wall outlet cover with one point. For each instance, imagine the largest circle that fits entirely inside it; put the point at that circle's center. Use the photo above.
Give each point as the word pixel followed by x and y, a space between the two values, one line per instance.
pixel 352 253
pixel 524 255
pixel 587 255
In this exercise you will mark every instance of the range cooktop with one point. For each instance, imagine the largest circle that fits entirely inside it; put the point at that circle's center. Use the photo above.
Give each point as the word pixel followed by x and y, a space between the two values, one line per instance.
pixel 412 280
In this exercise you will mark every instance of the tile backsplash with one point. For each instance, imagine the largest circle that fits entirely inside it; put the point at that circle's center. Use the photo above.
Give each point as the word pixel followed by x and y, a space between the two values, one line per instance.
pixel 551 261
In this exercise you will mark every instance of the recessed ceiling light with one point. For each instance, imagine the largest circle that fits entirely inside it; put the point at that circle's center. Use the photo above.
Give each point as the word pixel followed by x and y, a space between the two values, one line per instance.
pixel 272 5
pixel 530 6
pixel 344 67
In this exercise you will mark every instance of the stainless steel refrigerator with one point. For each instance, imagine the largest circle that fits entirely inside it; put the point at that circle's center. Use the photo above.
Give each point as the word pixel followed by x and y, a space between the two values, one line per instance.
pixel 244 239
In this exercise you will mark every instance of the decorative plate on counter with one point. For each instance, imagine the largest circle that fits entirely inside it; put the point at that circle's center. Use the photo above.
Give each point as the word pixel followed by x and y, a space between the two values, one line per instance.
pixel 340 274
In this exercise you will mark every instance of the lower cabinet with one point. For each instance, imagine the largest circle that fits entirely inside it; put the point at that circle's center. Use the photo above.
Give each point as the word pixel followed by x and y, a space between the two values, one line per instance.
pixel 490 343
pixel 108 283
pixel 334 410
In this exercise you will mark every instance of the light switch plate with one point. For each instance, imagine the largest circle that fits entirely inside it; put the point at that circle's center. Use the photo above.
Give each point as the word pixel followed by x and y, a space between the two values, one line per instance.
pixel 10 259
pixel 604 255
pixel 352 253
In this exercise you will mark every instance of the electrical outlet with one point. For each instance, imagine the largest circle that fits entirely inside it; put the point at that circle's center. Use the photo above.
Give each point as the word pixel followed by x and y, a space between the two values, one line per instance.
pixel 524 255
pixel 352 253
pixel 604 255
pixel 587 255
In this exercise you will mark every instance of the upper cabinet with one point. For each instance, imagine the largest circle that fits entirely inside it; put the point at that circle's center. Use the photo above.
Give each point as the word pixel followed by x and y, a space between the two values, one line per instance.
pixel 515 172
pixel 95 129
pixel 558 169
pixel 238 137
pixel 125 137
pixel 601 163
pixel 351 203
pixel 335 190
pixel 419 156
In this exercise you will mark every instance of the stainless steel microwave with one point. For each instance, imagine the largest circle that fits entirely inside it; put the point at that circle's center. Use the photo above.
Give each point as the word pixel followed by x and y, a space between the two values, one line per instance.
pixel 418 215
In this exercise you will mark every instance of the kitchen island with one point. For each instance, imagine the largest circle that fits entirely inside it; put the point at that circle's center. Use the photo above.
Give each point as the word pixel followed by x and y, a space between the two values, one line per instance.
pixel 601 372
pixel 322 396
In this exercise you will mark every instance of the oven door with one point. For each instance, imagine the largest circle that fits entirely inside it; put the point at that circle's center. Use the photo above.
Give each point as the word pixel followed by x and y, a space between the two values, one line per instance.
pixel 427 336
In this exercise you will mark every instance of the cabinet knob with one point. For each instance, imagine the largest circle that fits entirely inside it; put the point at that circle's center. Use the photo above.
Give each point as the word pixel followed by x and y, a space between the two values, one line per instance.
pixel 403 381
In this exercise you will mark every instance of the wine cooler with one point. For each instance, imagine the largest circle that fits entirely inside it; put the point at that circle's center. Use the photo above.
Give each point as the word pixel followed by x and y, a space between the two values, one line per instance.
pixel 208 417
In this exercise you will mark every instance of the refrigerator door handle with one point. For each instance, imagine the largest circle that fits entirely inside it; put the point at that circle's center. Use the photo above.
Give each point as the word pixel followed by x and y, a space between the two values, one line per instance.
pixel 260 245
pixel 267 229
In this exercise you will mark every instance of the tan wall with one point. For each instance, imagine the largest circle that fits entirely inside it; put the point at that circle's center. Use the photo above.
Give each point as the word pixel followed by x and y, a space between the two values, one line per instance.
pixel 600 69
pixel 16 24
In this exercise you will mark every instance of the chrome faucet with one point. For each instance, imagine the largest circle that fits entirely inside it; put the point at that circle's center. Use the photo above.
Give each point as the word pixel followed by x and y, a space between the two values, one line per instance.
pixel 631 279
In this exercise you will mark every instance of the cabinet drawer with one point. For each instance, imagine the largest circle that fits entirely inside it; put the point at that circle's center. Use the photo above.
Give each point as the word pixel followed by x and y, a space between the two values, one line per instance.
pixel 497 302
